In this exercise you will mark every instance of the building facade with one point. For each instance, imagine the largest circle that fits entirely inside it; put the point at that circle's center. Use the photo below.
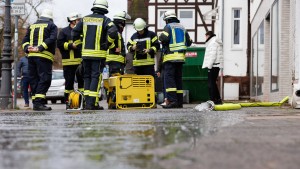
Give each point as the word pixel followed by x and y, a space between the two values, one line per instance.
pixel 275 55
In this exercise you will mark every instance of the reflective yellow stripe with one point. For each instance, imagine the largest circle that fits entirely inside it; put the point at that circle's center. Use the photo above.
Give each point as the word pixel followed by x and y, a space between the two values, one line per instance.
pixel 174 36
pixel 165 33
pixel 32 97
pixel 68 91
pixel 77 42
pixel 143 62
pixel 76 61
pixel 40 96
pixel 154 48
pixel 84 33
pixel 110 24
pixel 86 92
pixel 132 42
pixel 24 44
pixel 41 28
pixel 179 91
pixel 44 54
pixel 98 89
pixel 120 41
pixel 81 89
pixel 93 94
pixel 66 46
pixel 154 39
pixel 171 89
pixel 94 53
pixel 31 35
pixel 98 35
pixel 45 45
pixel 110 40
pixel 174 56
pixel 116 58
pixel 112 46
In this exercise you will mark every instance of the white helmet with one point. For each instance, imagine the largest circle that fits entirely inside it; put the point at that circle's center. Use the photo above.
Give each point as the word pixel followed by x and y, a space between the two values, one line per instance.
pixel 122 15
pixel 100 4
pixel 73 16
pixel 169 14
pixel 47 13
pixel 139 24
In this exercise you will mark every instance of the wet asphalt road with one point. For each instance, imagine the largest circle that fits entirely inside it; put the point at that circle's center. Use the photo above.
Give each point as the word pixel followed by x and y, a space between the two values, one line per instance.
pixel 110 139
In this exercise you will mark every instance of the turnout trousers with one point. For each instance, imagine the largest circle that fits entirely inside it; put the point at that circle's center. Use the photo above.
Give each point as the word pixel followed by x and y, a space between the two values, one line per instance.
pixel 173 82
pixel 69 75
pixel 144 70
pixel 115 68
pixel 40 76
pixel 92 80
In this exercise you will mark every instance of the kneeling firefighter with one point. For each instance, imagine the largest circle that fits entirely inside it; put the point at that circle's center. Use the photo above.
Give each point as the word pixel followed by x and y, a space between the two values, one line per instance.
pixel 71 55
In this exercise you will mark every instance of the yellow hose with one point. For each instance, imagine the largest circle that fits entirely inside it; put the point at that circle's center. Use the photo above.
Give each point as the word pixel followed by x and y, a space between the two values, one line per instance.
pixel 265 104
pixel 227 106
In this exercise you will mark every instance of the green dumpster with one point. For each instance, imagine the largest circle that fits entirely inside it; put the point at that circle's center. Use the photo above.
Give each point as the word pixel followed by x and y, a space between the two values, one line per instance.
pixel 194 77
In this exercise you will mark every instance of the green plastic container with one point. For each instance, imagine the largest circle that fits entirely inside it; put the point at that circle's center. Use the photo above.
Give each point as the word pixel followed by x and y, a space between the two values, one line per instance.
pixel 194 77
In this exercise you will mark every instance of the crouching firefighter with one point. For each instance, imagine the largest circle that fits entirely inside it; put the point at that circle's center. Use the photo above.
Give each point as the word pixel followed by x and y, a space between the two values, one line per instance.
pixel 175 41
pixel 71 55
pixel 40 43
pixel 116 52
pixel 96 29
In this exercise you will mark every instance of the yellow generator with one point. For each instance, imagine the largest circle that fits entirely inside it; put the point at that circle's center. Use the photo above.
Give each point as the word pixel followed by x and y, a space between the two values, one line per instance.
pixel 130 91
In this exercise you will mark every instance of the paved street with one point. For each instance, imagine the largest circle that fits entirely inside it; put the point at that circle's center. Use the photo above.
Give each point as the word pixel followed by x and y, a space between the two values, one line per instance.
pixel 150 138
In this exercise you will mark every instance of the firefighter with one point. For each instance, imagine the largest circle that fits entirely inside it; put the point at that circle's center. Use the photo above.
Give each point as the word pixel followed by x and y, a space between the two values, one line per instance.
pixel 175 41
pixel 71 55
pixel 97 33
pixel 40 43
pixel 116 53
pixel 144 44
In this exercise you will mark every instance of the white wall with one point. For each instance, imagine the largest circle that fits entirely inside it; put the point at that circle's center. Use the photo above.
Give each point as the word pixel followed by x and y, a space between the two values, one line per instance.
pixel 254 7
pixel 297 36
pixel 235 59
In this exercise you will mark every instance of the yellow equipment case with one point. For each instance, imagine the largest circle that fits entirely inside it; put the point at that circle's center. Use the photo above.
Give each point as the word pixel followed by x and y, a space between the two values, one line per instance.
pixel 130 91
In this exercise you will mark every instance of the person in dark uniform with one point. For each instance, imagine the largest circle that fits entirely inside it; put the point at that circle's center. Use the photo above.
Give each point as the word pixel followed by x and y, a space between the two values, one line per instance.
pixel 71 55
pixel 97 32
pixel 22 70
pixel 40 43
pixel 116 52
pixel 144 44
pixel 175 40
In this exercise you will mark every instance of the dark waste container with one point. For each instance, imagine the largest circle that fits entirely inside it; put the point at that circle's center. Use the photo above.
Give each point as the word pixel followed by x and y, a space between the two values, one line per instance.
pixel 194 77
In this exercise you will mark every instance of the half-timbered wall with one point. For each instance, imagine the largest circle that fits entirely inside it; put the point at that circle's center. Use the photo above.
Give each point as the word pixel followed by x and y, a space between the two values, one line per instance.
pixel 189 12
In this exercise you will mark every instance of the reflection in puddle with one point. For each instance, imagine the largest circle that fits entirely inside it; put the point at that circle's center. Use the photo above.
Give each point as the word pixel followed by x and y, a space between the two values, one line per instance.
pixel 111 140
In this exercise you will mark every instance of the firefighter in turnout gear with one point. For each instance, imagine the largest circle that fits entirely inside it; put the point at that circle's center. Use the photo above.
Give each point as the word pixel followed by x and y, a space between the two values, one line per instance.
pixel 116 53
pixel 97 32
pixel 144 44
pixel 71 55
pixel 40 43
pixel 175 41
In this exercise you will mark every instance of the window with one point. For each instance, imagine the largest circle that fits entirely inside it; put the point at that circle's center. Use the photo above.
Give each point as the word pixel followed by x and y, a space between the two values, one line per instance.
pixel 236 38
pixel 258 56
pixel 187 18
pixel 275 47
pixel 161 22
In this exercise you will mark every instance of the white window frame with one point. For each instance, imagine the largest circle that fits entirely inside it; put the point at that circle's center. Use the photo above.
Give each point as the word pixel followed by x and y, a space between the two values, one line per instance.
pixel 192 20
pixel 236 46
pixel 160 22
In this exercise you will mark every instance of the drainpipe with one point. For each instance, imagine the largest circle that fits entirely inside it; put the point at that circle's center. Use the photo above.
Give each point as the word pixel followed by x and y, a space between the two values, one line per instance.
pixel 222 36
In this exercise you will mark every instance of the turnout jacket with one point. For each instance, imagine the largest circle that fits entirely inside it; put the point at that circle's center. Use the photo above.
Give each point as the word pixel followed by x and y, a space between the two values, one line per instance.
pixel 70 55
pixel 148 40
pixel 98 32
pixel 42 34
pixel 175 40
pixel 112 55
